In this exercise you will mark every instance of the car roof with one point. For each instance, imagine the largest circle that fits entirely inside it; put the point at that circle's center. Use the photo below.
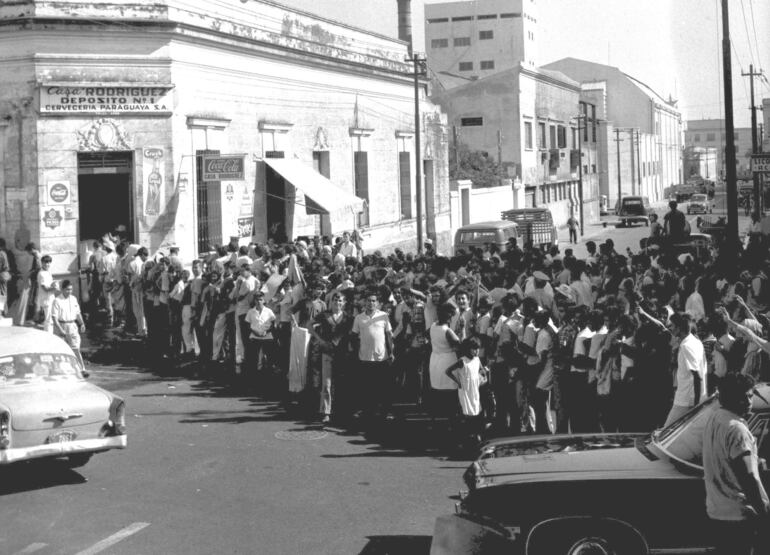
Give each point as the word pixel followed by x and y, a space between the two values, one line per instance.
pixel 16 340
pixel 488 225
pixel 526 210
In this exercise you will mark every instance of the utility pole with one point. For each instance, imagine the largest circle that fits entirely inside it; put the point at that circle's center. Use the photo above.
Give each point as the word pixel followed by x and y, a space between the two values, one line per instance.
pixel 499 149
pixel 580 173
pixel 618 140
pixel 456 146
pixel 418 72
pixel 632 149
pixel 639 160
pixel 754 148
pixel 730 169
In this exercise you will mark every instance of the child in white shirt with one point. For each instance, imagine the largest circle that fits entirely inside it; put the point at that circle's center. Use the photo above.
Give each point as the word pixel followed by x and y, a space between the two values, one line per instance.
pixel 469 375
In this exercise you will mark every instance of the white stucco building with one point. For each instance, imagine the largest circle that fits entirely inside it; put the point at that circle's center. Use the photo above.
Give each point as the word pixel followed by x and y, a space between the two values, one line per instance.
pixel 640 128
pixel 108 118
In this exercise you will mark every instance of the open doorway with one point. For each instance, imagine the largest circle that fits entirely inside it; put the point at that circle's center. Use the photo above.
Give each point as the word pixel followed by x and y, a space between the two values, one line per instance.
pixel 104 195
pixel 275 187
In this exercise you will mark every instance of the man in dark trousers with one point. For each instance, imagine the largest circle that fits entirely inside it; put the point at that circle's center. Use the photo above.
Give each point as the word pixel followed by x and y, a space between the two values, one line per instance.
pixel 736 500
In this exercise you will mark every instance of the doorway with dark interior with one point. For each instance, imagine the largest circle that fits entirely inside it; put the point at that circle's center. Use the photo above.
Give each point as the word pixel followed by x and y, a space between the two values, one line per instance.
pixel 275 187
pixel 104 195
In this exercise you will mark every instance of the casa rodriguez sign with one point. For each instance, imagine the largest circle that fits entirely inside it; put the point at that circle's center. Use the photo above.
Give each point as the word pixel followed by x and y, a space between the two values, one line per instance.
pixel 114 98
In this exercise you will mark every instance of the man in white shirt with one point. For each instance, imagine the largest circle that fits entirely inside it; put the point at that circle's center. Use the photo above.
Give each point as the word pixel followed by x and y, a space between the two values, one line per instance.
pixel 690 369
pixel 67 320
pixel 581 401
pixel 136 271
pixel 374 336
pixel 242 293
pixel 347 247
pixel 259 322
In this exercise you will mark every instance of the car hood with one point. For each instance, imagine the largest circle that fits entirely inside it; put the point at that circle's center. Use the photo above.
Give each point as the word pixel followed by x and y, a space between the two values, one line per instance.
pixel 55 405
pixel 572 462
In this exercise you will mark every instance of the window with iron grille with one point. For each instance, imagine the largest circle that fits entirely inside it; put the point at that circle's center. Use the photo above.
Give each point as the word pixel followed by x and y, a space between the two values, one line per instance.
pixel 561 136
pixel 466 66
pixel 487 16
pixel 439 43
pixel 361 174
pixel 405 184
pixel 462 41
pixel 487 64
pixel 209 205
pixel 486 35
pixel 541 138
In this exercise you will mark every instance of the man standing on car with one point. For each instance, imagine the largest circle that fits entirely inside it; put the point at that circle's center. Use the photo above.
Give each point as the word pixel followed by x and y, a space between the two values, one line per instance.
pixel 674 224
pixel 736 500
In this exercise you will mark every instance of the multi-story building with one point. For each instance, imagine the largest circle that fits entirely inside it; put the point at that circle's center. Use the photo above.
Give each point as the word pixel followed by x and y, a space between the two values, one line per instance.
pixel 642 130
pixel 535 123
pixel 197 122
pixel 472 40
pixel 710 133
pixel 700 162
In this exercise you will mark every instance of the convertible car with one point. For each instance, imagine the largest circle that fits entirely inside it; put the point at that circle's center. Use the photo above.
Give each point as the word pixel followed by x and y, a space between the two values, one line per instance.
pixel 47 408
pixel 601 494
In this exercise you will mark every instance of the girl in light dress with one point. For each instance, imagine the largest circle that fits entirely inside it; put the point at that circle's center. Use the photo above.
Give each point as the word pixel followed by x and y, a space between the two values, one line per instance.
pixel 469 375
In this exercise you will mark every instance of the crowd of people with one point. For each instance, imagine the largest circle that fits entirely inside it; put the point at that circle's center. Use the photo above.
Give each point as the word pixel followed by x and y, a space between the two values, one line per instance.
pixel 524 340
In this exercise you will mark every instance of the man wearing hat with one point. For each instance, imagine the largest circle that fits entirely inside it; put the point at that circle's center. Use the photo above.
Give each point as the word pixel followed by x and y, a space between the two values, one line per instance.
pixel 543 296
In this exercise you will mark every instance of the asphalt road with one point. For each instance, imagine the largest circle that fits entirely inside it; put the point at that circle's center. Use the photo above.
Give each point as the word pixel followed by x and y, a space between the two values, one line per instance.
pixel 211 471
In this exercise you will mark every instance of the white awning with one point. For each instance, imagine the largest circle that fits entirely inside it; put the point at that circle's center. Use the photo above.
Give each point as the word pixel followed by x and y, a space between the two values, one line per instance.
pixel 331 198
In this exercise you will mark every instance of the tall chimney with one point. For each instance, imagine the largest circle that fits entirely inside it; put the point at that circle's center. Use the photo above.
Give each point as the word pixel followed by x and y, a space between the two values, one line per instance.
pixel 405 21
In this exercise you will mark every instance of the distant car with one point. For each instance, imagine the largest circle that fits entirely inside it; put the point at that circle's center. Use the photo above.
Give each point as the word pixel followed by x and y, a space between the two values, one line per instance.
pixel 47 408
pixel 699 204
pixel 633 209
pixel 485 233
pixel 603 494
pixel 535 225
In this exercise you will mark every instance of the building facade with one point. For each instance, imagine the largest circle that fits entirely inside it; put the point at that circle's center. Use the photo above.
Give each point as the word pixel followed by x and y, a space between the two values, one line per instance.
pixel 701 162
pixel 710 133
pixel 193 123
pixel 472 40
pixel 642 131
pixel 529 120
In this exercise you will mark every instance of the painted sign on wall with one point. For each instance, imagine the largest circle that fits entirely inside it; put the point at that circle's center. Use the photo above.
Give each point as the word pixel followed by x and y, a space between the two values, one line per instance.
pixel 153 181
pixel 58 193
pixel 105 98
pixel 223 168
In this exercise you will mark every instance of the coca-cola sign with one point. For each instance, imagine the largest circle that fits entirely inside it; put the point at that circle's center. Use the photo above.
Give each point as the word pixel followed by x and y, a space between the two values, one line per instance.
pixel 223 168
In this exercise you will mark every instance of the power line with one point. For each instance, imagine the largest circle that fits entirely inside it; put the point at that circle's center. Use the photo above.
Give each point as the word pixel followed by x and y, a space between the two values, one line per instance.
pixel 748 36
pixel 754 26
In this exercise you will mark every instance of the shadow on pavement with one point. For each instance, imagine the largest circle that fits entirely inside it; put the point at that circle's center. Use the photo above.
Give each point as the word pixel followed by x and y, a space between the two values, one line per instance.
pixel 30 476
pixel 397 545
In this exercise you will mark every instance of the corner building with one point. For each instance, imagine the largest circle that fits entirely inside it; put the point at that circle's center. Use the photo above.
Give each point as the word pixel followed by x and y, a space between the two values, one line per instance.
pixel 195 122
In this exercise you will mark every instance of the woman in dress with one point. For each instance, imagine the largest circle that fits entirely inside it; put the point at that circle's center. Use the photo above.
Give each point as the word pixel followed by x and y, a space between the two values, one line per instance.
pixel 443 342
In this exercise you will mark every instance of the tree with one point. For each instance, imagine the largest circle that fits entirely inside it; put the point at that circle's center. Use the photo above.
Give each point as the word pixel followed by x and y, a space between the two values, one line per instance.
pixel 477 166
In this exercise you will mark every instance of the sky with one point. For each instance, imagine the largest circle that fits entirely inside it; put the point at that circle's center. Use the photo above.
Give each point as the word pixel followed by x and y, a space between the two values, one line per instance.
pixel 674 46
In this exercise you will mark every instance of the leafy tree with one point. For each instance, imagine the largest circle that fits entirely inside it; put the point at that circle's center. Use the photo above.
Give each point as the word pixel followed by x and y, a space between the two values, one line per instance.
pixel 477 166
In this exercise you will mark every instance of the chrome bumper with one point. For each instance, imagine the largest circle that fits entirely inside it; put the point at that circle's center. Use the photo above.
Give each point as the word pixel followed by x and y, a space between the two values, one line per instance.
pixel 8 456
pixel 455 535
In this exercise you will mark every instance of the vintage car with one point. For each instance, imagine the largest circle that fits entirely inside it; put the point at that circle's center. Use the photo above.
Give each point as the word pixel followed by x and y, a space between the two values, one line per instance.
pixel 603 494
pixel 535 225
pixel 631 210
pixel 699 204
pixel 47 408
pixel 485 233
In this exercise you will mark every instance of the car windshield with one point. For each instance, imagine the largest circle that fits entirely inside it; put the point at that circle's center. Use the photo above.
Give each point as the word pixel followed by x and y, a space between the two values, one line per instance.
pixel 682 440
pixel 29 368
pixel 699 198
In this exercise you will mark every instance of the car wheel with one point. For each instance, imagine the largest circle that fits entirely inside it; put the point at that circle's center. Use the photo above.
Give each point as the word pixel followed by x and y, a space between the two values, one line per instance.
pixel 581 538
pixel 81 459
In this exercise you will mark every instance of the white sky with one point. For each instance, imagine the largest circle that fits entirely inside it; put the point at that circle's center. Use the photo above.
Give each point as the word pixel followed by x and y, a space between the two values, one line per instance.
pixel 672 45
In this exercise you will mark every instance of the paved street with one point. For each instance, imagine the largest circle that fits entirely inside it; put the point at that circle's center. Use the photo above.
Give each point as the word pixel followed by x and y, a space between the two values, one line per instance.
pixel 211 471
